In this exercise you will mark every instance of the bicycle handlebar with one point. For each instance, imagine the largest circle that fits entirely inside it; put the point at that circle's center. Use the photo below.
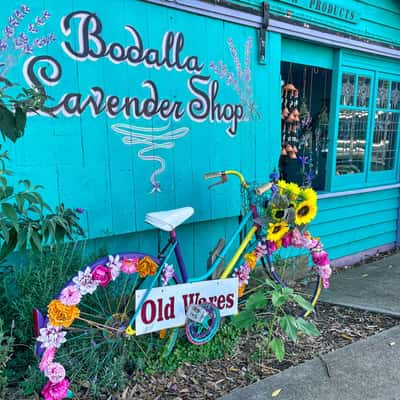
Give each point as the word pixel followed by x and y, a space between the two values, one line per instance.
pixel 260 190
pixel 263 188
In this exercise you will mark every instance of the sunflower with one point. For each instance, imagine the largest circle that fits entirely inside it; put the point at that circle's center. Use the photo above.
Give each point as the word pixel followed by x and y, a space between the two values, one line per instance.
pixel 305 212
pixel 277 213
pixel 309 195
pixel 277 231
pixel 282 186
pixel 293 190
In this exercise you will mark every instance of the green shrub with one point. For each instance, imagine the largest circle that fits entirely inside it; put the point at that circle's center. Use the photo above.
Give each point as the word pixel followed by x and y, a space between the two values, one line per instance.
pixel 6 345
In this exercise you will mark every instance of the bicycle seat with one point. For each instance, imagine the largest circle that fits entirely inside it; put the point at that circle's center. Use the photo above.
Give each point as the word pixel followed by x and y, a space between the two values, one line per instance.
pixel 169 220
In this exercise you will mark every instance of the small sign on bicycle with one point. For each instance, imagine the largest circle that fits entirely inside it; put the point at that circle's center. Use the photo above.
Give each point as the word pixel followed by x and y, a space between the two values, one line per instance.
pixel 166 307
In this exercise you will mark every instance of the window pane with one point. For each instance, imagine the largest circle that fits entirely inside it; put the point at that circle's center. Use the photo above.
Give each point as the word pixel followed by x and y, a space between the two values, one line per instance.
pixel 363 91
pixel 383 92
pixel 395 96
pixel 384 146
pixel 350 149
pixel 347 96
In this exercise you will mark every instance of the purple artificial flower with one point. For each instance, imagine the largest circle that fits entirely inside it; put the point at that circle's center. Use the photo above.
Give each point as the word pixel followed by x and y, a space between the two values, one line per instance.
pixel 8 31
pixel 274 189
pixel 3 45
pixel 46 14
pixel 25 9
pixel 32 28
pixel 13 22
pixel 274 176
pixel 308 177
pixel 85 282
pixel 303 160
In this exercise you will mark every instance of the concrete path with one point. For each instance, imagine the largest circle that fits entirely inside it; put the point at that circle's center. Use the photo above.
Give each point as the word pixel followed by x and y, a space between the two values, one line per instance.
pixel 374 287
pixel 366 370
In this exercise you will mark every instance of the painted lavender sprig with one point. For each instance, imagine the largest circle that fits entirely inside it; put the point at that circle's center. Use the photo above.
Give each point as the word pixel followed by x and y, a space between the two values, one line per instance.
pixel 240 80
pixel 14 45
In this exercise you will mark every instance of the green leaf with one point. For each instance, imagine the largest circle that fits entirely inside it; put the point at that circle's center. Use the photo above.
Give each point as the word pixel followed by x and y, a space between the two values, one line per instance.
pixel 10 213
pixel 302 302
pixel 244 320
pixel 278 299
pixel 307 327
pixel 20 121
pixel 4 230
pixel 9 246
pixel 278 347
pixel 289 326
pixel 7 124
pixel 271 283
pixel 36 241
pixel 256 301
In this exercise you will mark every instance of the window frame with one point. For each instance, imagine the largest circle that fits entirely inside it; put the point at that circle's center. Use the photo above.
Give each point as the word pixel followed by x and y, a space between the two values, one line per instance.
pixel 367 178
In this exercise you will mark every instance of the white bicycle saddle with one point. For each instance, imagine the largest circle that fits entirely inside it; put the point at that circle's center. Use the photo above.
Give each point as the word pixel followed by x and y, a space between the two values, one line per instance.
pixel 169 220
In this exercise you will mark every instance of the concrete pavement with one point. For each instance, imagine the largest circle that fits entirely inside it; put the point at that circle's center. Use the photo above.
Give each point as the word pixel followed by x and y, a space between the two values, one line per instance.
pixel 366 370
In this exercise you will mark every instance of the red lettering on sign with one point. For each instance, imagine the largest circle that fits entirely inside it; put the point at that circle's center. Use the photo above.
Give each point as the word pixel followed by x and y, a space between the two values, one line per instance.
pixel 143 312
pixel 229 300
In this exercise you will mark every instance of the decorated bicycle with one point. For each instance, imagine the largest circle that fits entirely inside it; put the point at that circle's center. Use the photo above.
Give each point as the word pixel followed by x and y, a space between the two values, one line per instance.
pixel 107 307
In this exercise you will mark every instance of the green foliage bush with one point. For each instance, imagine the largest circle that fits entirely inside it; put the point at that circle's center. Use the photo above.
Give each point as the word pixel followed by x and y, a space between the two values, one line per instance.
pixel 6 345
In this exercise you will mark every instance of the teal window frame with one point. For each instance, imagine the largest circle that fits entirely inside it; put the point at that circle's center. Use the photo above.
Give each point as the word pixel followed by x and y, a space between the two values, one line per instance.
pixel 374 69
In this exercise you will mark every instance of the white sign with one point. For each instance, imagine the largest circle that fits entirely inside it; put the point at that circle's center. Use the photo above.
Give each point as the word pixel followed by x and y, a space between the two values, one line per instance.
pixel 165 307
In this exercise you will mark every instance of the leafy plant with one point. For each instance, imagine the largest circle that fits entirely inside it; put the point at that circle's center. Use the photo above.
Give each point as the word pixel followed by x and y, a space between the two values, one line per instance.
pixel 6 344
pixel 14 110
pixel 280 324
pixel 26 220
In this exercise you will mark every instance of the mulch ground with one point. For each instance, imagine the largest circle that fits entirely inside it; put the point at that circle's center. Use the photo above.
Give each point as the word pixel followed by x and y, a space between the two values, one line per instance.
pixel 339 326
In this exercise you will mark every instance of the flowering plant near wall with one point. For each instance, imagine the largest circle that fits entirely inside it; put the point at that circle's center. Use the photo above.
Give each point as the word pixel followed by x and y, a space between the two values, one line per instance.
pixel 21 36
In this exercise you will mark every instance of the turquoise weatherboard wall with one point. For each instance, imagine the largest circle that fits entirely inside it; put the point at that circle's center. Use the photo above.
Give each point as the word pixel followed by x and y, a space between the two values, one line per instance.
pixel 82 161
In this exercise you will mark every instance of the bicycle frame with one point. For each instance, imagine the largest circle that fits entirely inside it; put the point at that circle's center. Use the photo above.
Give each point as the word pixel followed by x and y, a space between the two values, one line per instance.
pixel 173 246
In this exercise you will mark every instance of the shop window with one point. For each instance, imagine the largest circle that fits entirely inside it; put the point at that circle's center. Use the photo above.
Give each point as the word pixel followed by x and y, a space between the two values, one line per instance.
pixel 386 126
pixel 368 128
pixel 305 99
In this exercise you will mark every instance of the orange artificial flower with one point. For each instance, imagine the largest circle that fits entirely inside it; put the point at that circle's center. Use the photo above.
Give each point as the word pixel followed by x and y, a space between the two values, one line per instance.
pixel 242 288
pixel 146 266
pixel 251 260
pixel 163 333
pixel 62 315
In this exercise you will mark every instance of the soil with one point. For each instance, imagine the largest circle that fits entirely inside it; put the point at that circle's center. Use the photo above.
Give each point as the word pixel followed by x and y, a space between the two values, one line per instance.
pixel 339 326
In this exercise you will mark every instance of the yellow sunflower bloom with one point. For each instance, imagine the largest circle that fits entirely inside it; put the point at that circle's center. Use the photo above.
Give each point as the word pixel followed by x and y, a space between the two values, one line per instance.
pixel 281 186
pixel 305 212
pixel 277 213
pixel 309 195
pixel 277 231
pixel 293 190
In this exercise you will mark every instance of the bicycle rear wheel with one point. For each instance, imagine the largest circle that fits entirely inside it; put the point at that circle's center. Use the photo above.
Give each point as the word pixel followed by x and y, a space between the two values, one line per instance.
pixel 83 333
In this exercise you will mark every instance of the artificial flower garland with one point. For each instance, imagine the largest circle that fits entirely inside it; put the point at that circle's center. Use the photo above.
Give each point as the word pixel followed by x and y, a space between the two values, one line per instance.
pixel 63 311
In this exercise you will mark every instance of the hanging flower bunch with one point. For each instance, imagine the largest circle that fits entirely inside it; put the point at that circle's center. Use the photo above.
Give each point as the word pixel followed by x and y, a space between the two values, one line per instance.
pixel 64 310
pixel 290 209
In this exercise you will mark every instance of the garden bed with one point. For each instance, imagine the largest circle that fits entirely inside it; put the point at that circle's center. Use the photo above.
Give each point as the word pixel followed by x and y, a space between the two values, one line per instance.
pixel 339 327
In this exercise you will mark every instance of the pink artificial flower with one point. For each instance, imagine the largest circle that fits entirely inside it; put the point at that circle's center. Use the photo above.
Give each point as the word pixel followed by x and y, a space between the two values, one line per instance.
pixel 51 336
pixel 55 372
pixel 271 246
pixel 56 391
pixel 297 239
pixel 261 249
pixel 325 272
pixel 287 239
pixel 243 273
pixel 129 265
pixel 114 263
pixel 102 275
pixel 85 282
pixel 320 257
pixel 47 358
pixel 167 273
pixel 70 295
